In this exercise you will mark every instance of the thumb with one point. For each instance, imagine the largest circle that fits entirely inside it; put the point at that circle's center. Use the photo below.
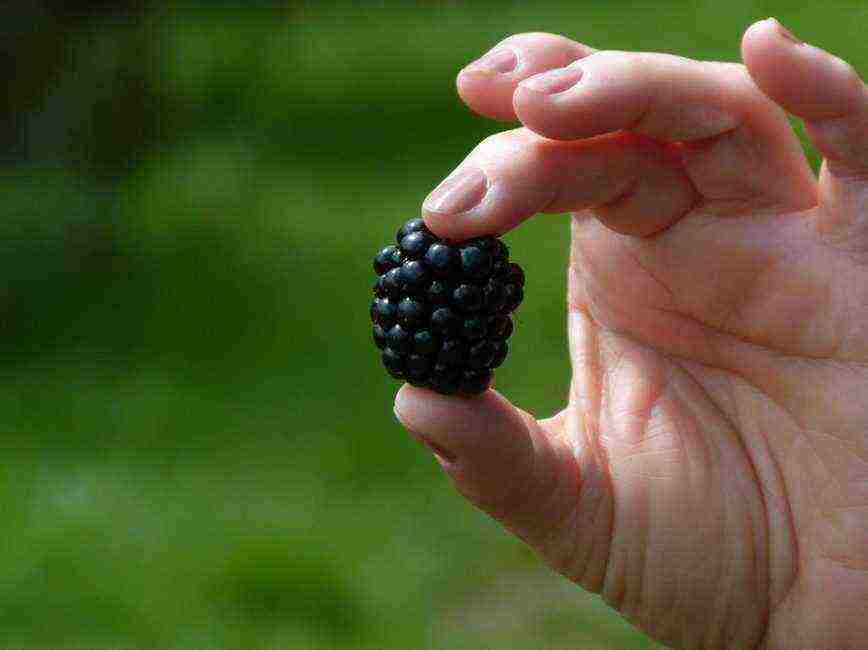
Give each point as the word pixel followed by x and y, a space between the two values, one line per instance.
pixel 518 470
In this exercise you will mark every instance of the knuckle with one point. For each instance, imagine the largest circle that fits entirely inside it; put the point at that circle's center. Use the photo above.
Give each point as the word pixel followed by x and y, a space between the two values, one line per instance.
pixel 535 36
pixel 490 142
pixel 605 56
pixel 737 77
pixel 734 75
pixel 847 71
pixel 504 141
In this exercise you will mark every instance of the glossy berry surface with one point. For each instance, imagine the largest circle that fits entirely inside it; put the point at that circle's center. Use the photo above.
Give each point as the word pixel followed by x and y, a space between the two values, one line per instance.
pixel 467 297
pixel 414 275
pixel 442 310
pixel 441 259
pixel 386 259
pixel 414 225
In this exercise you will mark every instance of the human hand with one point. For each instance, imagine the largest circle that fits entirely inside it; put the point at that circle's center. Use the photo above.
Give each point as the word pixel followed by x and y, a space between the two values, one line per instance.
pixel 709 475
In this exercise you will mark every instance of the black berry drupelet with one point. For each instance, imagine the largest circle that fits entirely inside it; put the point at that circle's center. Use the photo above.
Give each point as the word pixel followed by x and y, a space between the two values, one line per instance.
pixel 441 309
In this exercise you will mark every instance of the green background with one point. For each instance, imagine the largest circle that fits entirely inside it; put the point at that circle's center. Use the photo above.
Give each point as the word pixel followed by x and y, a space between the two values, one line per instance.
pixel 198 444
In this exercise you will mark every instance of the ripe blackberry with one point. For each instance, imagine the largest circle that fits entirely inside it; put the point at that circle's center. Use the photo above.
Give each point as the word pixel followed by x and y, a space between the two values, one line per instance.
pixel 416 244
pixel 474 328
pixel 414 225
pixel 424 343
pixel 467 297
pixel 399 339
pixel 391 283
pixel 386 259
pixel 414 274
pixel 441 259
pixel 441 309
pixel 412 312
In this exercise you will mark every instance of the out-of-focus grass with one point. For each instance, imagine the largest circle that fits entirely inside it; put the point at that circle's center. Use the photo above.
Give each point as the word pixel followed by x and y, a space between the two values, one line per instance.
pixel 198 444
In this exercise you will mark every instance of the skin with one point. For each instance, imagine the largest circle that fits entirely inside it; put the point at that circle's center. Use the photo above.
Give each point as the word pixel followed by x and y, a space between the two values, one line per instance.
pixel 709 474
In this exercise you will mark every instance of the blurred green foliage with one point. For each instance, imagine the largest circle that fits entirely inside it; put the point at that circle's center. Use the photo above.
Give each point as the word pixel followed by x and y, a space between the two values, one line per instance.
pixel 198 446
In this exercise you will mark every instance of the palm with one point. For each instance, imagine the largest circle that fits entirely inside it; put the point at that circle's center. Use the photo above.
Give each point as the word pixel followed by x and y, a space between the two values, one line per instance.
pixel 721 410
pixel 709 475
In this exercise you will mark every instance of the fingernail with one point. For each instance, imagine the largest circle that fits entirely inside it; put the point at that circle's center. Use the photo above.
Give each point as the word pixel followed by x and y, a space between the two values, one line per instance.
pixel 786 33
pixel 501 61
pixel 553 81
pixel 459 193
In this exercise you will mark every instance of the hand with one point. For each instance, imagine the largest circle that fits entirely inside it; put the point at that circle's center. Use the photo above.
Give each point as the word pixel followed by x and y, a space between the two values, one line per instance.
pixel 709 475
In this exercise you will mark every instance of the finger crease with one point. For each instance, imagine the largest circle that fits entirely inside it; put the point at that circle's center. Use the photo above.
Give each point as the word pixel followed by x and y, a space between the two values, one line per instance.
pixel 628 191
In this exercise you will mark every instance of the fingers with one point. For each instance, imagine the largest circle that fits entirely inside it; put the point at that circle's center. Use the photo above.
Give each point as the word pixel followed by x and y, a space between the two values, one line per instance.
pixel 741 142
pixel 829 96
pixel 661 95
pixel 498 456
pixel 635 183
pixel 487 84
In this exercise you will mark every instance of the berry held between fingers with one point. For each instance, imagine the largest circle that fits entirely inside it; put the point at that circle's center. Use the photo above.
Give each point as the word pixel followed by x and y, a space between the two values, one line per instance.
pixel 441 309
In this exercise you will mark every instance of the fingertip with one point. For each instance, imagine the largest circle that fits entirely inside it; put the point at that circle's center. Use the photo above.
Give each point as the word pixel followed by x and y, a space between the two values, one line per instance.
pixel 403 403
pixel 760 28
pixel 487 84
pixel 423 410
pixel 456 229
pixel 804 79
pixel 762 39
pixel 409 404
pixel 485 220
pixel 486 94
pixel 417 408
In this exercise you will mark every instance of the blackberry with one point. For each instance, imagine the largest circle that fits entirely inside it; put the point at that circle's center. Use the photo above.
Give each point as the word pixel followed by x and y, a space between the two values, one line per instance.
pixel 414 275
pixel 444 379
pixel 445 321
pixel 476 261
pixel 386 259
pixel 412 313
pixel 414 225
pixel 473 328
pixel 501 349
pixel 500 328
pixel 415 245
pixel 418 365
pixel 514 296
pixel 441 309
pixel 424 342
pixel 394 363
pixel 467 297
pixel 516 274
pixel 436 293
pixel 399 339
pixel 384 312
pixel 452 353
pixel 379 336
pixel 480 356
pixel 440 258
pixel 474 382
pixel 493 295
pixel 391 283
